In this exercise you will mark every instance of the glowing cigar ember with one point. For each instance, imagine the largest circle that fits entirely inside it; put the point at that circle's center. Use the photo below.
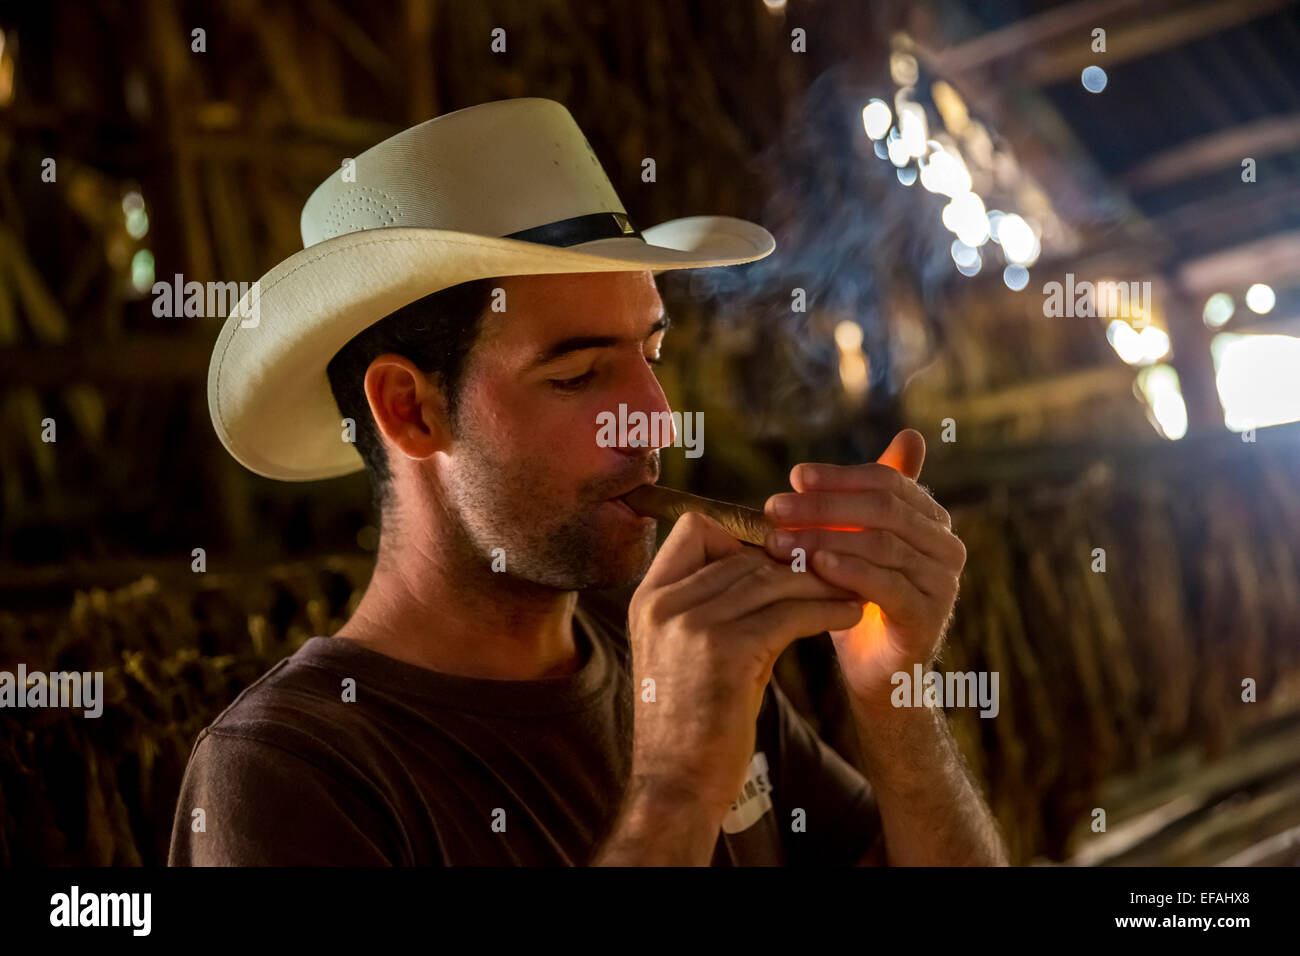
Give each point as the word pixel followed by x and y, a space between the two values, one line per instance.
pixel 669 504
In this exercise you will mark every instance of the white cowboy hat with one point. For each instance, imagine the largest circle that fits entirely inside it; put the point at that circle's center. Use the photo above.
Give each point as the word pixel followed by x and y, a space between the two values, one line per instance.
pixel 500 189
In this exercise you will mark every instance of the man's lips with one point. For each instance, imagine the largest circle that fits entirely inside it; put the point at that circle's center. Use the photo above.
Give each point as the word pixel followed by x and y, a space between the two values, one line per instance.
pixel 623 506
pixel 627 489
pixel 618 502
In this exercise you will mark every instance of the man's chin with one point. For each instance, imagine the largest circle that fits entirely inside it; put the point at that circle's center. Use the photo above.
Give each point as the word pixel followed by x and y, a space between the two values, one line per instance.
pixel 599 550
pixel 624 554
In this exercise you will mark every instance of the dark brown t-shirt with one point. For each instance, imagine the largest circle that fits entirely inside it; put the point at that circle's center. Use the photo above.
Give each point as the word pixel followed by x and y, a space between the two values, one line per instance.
pixel 431 768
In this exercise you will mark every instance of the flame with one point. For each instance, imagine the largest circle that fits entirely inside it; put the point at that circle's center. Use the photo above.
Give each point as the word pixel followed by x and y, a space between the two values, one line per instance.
pixel 871 629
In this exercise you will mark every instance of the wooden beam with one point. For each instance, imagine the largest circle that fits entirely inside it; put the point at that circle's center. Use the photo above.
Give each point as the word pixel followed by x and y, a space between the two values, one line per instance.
pixel 1056 45
pixel 1271 324
pixel 1219 150
pixel 167 37
pixel 965 475
pixel 421 83
pixel 1183 788
pixel 1191 358
pixel 139 360
pixel 1264 260
pixel 1064 390
pixel 274 28
pixel 1280 849
pixel 1146 35
pixel 353 38
pixel 230 220
pixel 1228 209
pixel 224 572
pixel 297 151
pixel 1073 18
pixel 44 314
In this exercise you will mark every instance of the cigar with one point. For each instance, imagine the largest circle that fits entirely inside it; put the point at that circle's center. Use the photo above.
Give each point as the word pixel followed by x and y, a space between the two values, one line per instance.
pixel 669 504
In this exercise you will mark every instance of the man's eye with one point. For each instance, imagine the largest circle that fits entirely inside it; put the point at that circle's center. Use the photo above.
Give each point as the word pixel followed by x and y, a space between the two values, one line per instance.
pixel 571 384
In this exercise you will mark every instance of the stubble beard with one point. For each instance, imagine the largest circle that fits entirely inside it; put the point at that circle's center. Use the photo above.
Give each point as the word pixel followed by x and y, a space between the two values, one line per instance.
pixel 546 538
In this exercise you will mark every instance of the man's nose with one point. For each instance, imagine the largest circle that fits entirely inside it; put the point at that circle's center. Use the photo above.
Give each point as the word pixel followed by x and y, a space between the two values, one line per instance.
pixel 645 395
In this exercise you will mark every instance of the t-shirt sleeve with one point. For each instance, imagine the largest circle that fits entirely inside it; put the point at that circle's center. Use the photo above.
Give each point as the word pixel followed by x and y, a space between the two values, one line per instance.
pixel 264 805
pixel 841 819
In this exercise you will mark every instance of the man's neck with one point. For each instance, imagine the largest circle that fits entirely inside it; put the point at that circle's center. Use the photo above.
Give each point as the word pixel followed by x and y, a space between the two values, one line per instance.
pixel 453 616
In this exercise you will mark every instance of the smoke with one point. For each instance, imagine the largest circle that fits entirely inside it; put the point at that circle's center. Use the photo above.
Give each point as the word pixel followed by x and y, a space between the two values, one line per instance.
pixel 847 233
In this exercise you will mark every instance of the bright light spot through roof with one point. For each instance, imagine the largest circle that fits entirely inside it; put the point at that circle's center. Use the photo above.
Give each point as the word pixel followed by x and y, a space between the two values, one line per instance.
pixel 876 117
pixel 966 217
pixel 142 274
pixel 1137 348
pixel 1256 378
pixel 1260 298
pixel 963 254
pixel 1016 277
pixel 912 128
pixel 973 269
pixel 1017 238
pixel 137 223
pixel 945 173
pixel 1094 79
pixel 1158 385
pixel 898 154
pixel 1218 310
pixel 995 219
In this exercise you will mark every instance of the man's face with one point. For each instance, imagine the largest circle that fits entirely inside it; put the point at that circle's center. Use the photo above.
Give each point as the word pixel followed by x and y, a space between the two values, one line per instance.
pixel 524 471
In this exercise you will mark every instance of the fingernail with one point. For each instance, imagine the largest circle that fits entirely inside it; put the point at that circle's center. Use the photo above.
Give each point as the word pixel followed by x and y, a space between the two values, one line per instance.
pixel 783 540
pixel 783 506
pixel 828 558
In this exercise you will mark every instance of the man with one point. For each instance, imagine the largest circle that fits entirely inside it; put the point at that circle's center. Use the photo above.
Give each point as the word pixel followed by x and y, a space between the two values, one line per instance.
pixel 473 710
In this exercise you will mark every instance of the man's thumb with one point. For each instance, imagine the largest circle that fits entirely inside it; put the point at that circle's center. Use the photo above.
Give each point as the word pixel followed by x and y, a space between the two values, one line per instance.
pixel 905 453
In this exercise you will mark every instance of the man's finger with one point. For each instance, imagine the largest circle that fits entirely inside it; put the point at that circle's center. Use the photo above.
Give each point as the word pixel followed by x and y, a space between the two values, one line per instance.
pixel 898 597
pixel 906 453
pixel 694 542
pixel 712 579
pixel 883 548
pixel 873 476
pixel 788 621
pixel 859 510
pixel 771 583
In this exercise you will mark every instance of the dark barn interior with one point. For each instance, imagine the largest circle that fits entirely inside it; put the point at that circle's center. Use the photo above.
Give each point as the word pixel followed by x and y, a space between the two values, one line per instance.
pixel 1166 437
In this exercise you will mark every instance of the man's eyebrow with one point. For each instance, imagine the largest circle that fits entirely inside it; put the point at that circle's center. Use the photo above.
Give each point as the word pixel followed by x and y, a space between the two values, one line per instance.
pixel 578 343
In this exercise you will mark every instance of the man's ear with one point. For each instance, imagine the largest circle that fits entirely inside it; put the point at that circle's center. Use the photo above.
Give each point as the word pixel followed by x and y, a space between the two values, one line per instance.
pixel 409 410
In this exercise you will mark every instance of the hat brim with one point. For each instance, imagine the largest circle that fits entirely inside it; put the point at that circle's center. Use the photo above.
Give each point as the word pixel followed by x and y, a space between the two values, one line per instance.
pixel 268 393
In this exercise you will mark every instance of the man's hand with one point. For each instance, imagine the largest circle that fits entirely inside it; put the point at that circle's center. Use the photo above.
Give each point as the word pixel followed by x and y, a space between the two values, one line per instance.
pixel 707 625
pixel 873 530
